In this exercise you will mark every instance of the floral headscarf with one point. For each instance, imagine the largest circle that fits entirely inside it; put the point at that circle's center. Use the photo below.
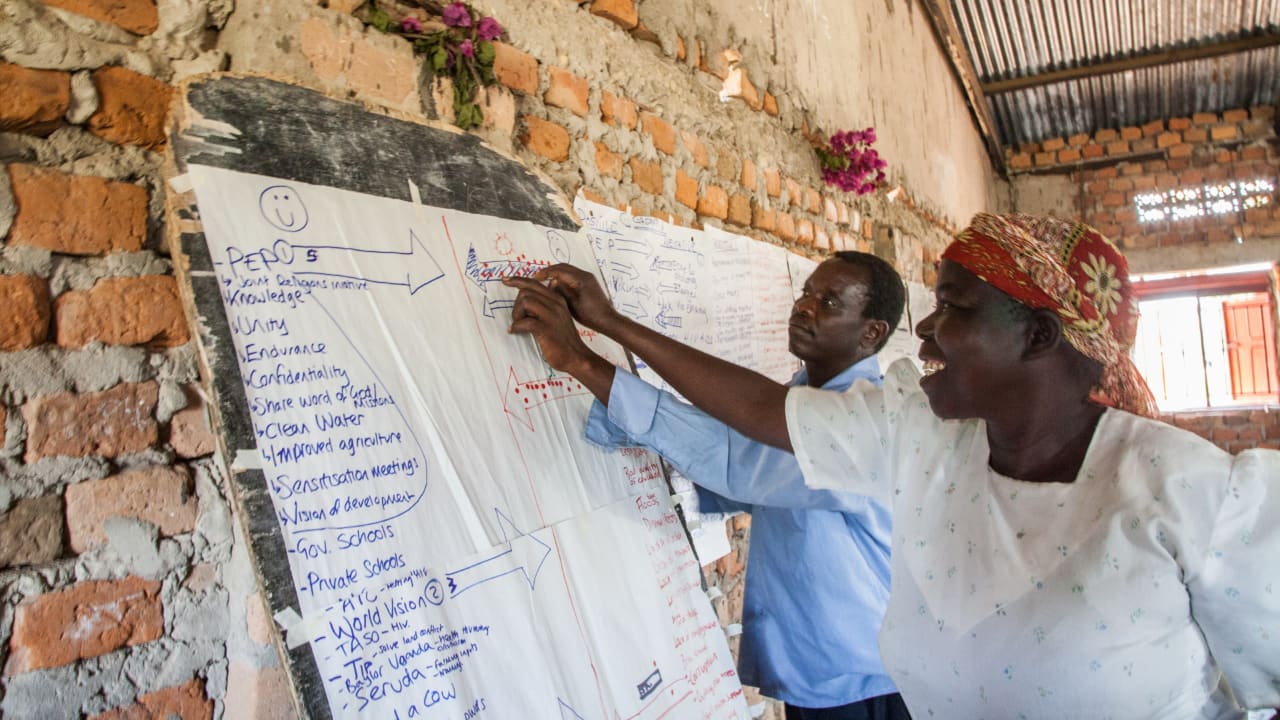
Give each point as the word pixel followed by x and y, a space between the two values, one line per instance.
pixel 1072 270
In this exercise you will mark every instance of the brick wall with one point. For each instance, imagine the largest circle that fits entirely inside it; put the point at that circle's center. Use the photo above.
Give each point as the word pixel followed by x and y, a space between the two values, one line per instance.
pixel 124 590
pixel 1233 430
pixel 113 499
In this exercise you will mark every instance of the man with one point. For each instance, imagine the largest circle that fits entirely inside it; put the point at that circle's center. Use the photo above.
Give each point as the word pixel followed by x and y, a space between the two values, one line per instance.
pixel 818 570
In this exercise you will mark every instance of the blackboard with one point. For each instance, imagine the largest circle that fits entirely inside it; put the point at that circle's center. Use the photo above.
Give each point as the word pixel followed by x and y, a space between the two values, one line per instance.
pixel 262 126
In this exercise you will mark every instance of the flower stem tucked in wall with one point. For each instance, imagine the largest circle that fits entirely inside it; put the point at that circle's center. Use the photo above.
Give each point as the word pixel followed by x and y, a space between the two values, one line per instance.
pixel 458 45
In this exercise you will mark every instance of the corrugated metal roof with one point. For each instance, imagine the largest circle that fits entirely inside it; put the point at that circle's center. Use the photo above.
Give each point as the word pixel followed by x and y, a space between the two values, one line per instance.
pixel 1008 39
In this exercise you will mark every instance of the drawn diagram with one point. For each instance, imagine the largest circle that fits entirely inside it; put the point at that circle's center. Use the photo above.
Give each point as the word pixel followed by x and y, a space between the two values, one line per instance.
pixel 446 563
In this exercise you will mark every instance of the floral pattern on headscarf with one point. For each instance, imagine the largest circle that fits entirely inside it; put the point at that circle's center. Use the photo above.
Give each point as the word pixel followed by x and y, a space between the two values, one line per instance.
pixel 1074 271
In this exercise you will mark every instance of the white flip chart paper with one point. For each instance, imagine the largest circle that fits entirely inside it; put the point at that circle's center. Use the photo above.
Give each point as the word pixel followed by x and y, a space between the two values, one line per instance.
pixel 458 549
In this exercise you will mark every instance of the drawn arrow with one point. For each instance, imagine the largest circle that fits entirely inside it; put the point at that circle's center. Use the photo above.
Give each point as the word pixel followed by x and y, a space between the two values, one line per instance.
pixel 660 264
pixel 485 272
pixel 413 268
pixel 675 288
pixel 622 244
pixel 635 311
pixel 626 270
pixel 528 394
pixel 524 553
pixel 668 321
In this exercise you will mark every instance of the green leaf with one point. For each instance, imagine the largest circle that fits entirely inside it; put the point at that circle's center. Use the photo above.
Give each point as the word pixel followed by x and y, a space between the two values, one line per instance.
pixel 380 19
pixel 439 58
pixel 485 53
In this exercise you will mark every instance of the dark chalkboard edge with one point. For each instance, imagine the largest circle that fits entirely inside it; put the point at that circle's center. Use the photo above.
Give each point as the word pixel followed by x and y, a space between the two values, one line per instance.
pixel 192 125
pixel 220 376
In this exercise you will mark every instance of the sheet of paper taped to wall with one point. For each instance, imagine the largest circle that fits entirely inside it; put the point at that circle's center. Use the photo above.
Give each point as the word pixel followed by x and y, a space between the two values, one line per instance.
pixel 722 293
pixel 458 549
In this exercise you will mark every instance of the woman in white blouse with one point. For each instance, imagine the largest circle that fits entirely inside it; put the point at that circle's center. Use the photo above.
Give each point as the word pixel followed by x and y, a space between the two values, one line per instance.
pixel 1057 553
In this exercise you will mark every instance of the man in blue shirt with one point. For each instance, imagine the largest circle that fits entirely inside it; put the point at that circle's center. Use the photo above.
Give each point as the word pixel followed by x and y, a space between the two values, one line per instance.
pixel 818 567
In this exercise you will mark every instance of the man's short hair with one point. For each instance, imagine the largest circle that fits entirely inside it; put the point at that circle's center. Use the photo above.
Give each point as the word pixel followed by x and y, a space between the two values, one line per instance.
pixel 888 294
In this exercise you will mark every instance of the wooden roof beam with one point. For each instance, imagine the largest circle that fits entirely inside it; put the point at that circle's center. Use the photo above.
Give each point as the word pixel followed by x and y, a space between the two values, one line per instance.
pixel 948 33
pixel 1134 62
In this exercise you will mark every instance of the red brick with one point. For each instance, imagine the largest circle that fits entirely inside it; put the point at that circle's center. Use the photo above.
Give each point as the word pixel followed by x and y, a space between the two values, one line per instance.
pixel 131 108
pixel 1106 135
pixel 1044 159
pixel 25 321
pixel 1168 139
pixel 1113 199
pixel 1069 155
pixel 545 138
pixel 185 702
pixel 1262 112
pixel 618 111
pixel 1120 147
pixel 680 50
pixel 686 189
pixel 1155 127
pixel 1195 135
pixel 621 12
pixel 190 432
pixel 1144 145
pixel 804 232
pixel 160 495
pixel 139 17
pixel 1235 116
pixel 1224 132
pixel 663 134
pixel 566 90
pixel 123 311
pixel 76 214
pixel 1253 152
pixel 1092 151
pixel 1255 129
pixel 696 148
pixel 31 532
pixel 1179 124
pixel 35 101
pixel 109 423
pixel 83 621
pixel 1130 133
pixel 1180 151
pixel 793 192
pixel 260 692
pixel 821 240
pixel 829 210
pixel 1020 161
pixel 739 210
pixel 812 201
pixel 773 182
pixel 786 227
pixel 1053 144
pixel 762 219
pixel 1204 118
pixel 646 175
pixel 609 163
pixel 515 69
pixel 1078 139
pixel 714 202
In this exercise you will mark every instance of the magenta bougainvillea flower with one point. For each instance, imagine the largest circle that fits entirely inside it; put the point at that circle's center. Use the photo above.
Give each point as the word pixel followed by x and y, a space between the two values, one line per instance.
pixel 467 48
pixel 411 25
pixel 456 15
pixel 488 29
pixel 849 162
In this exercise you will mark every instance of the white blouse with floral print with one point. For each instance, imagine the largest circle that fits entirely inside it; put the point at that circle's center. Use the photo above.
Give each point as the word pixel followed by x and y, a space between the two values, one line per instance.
pixel 1148 588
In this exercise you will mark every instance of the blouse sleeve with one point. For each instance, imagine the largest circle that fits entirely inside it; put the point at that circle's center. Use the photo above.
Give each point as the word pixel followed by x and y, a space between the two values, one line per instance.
pixel 1236 598
pixel 846 441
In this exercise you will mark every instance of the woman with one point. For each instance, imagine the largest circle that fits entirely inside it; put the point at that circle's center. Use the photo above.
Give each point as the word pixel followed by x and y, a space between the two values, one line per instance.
pixel 1056 553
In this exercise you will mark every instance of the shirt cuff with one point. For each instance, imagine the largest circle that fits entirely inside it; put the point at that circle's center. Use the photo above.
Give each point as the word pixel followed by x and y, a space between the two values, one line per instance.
pixel 633 403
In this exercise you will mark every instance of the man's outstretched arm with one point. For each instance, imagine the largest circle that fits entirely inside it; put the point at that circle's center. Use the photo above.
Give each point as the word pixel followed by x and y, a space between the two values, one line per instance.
pixel 745 400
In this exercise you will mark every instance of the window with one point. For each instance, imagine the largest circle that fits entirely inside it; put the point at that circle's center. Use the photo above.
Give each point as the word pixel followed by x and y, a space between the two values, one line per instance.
pixel 1208 340
pixel 1226 198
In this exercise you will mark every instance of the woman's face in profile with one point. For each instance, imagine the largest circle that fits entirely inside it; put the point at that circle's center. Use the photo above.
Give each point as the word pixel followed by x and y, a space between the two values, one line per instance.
pixel 970 345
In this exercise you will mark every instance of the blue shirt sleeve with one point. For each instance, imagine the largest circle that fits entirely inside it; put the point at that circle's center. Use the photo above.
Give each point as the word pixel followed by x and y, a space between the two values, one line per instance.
pixel 731 471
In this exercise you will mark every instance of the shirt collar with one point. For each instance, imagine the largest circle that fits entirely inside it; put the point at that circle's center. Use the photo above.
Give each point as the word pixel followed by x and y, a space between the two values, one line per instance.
pixel 867 368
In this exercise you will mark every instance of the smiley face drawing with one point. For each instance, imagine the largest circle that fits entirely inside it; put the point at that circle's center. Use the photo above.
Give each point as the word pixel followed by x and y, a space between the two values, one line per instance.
pixel 281 206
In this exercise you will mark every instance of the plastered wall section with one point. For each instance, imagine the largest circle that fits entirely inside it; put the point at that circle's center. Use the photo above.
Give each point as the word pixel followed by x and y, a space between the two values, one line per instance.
pixel 127 586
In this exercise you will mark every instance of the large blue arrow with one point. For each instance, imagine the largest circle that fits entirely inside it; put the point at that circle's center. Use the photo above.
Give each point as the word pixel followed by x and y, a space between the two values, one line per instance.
pixel 413 268
pixel 525 553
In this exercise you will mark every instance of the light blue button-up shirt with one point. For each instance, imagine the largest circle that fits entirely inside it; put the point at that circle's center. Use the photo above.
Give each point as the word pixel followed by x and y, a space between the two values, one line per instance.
pixel 818 569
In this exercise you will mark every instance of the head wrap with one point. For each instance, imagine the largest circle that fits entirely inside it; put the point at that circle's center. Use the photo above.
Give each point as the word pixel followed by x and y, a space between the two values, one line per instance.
pixel 1074 271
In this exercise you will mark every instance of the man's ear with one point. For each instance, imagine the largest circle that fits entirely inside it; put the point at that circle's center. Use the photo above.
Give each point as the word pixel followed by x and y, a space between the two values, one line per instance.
pixel 874 332
pixel 1044 332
